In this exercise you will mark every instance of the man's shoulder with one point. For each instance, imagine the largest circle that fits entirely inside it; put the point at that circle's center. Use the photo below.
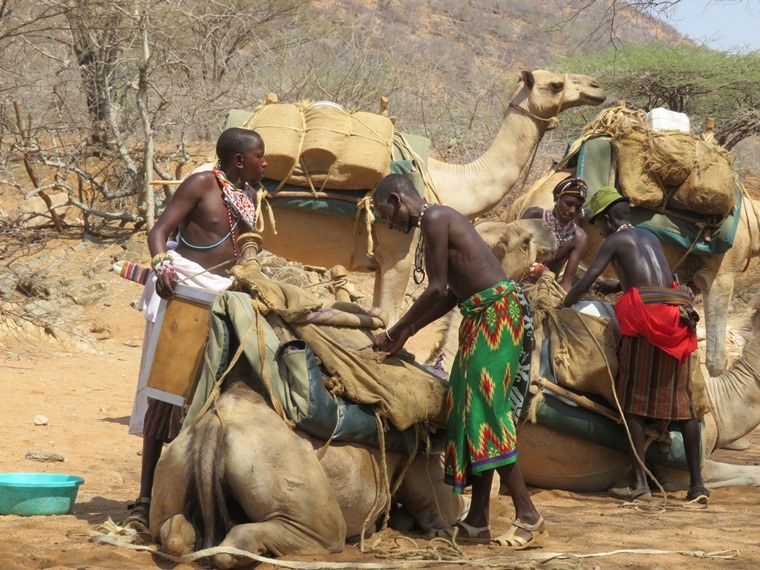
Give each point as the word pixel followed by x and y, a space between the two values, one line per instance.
pixel 198 182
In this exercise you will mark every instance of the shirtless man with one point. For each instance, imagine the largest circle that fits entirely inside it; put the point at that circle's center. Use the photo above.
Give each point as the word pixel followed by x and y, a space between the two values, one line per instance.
pixel 657 328
pixel 569 197
pixel 209 211
pixel 462 270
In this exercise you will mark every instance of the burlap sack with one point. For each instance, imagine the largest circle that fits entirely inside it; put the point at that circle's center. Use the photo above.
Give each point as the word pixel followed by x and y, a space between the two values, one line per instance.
pixel 281 126
pixel 670 155
pixel 321 146
pixel 709 188
pixel 578 362
pixel 636 182
pixel 328 128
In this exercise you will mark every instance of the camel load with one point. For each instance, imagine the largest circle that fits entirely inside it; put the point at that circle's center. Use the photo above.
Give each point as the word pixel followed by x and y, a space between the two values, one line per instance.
pixel 321 146
pixel 666 170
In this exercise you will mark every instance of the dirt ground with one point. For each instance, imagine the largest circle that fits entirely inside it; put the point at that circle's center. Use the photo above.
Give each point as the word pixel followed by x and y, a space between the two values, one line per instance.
pixel 86 393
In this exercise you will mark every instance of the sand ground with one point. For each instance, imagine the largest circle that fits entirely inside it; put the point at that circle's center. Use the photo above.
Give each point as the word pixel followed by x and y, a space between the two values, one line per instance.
pixel 87 397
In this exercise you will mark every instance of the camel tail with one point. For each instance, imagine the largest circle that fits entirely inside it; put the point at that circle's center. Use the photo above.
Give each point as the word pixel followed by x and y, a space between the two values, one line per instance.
pixel 207 446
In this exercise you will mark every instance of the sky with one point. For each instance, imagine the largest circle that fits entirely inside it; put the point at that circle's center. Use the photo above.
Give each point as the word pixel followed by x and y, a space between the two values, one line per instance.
pixel 732 25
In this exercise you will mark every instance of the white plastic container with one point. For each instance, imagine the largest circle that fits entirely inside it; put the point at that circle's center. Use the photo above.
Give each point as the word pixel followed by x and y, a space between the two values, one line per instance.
pixel 660 119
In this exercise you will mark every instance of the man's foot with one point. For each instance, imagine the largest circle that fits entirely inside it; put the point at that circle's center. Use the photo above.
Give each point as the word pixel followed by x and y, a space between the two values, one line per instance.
pixel 465 533
pixel 699 495
pixel 139 518
pixel 523 535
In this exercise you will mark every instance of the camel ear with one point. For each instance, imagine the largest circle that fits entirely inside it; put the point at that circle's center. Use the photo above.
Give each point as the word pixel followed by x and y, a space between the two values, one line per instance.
pixel 527 78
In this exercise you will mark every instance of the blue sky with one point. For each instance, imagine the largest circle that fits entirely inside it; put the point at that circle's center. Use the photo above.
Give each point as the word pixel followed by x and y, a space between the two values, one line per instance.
pixel 724 25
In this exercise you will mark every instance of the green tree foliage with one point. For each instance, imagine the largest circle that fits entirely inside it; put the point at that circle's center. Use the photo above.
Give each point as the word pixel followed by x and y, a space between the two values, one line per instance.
pixel 685 78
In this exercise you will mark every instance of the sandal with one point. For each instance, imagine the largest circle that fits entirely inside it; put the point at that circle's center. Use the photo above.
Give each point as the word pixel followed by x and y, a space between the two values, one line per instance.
pixel 643 493
pixel 139 518
pixel 463 533
pixel 515 541
pixel 698 495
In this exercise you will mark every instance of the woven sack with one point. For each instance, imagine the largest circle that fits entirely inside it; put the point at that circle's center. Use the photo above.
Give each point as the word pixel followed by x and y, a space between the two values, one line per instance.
pixel 709 188
pixel 281 127
pixel 670 155
pixel 576 359
pixel 636 182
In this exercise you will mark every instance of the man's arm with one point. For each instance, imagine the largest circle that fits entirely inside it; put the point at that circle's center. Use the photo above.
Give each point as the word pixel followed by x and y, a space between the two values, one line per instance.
pixel 571 268
pixel 182 204
pixel 437 299
pixel 602 259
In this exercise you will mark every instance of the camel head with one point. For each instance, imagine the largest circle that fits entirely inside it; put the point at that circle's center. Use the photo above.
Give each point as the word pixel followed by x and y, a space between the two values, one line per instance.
pixel 518 244
pixel 546 94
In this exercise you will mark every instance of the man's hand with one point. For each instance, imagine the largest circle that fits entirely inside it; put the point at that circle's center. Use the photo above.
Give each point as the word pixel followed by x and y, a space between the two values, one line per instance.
pixel 606 286
pixel 391 341
pixel 165 283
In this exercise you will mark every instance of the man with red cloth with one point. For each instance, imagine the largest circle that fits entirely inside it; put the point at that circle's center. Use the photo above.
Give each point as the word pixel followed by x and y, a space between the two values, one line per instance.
pixel 657 327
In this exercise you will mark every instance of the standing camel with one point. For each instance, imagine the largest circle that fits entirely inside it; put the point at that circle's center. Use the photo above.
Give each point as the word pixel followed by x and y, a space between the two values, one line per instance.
pixel 472 189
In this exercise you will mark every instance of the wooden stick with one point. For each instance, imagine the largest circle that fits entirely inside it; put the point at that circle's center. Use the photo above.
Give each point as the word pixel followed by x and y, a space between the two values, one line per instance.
pixel 580 400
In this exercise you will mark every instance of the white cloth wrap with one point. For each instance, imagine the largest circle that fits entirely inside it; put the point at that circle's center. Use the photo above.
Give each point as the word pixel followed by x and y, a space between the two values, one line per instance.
pixel 190 274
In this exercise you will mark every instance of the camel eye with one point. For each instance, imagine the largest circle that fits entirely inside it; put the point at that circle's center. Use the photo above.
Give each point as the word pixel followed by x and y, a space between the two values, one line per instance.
pixel 557 86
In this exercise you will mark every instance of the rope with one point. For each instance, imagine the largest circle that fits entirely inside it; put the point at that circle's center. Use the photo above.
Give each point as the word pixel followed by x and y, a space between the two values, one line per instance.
pixel 436 556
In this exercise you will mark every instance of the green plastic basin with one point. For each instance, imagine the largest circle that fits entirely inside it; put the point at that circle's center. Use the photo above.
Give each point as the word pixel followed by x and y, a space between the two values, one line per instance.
pixel 28 494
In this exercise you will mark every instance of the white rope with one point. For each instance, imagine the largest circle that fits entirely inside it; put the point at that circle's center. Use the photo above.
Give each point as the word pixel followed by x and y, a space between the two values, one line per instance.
pixel 512 560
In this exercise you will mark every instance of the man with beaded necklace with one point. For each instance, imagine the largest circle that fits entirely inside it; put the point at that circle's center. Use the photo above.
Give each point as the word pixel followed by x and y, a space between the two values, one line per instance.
pixel 495 340
pixel 569 197
pixel 208 212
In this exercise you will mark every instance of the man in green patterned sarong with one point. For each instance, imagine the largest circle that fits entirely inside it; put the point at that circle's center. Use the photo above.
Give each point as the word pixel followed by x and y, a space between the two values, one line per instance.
pixel 463 271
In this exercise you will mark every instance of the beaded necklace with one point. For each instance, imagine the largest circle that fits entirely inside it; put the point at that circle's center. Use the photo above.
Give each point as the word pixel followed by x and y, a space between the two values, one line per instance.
pixel 565 233
pixel 239 201
pixel 625 227
pixel 419 255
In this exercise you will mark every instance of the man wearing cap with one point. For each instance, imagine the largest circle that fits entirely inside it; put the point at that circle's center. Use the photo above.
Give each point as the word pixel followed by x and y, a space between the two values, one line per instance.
pixel 657 328
pixel 569 197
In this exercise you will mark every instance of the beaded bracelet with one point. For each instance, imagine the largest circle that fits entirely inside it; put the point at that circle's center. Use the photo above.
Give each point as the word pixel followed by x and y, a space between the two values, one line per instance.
pixel 162 263
pixel 389 336
pixel 535 269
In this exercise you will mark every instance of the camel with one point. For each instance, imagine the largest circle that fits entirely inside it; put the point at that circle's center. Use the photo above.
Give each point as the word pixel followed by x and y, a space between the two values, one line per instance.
pixel 262 487
pixel 472 189
pixel 713 274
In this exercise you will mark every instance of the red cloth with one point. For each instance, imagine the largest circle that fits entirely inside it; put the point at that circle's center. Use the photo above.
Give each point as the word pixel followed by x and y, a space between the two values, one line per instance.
pixel 659 323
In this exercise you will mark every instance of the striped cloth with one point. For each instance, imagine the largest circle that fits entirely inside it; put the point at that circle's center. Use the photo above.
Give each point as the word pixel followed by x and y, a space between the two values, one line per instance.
pixel 652 383
pixel 657 337
pixel 480 426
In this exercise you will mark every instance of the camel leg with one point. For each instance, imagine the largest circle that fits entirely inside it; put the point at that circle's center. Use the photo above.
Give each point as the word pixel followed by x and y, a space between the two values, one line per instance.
pixel 275 537
pixel 718 474
pixel 717 298
pixel 177 536
pixel 431 502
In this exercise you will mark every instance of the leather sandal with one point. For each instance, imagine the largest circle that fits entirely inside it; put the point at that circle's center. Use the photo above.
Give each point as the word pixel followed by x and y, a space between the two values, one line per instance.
pixel 515 541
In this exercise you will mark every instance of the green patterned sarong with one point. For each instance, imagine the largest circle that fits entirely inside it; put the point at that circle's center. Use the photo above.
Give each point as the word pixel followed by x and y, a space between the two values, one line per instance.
pixel 480 425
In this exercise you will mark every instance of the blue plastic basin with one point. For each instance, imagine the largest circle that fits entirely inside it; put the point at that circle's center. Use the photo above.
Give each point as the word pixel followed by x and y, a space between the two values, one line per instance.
pixel 29 494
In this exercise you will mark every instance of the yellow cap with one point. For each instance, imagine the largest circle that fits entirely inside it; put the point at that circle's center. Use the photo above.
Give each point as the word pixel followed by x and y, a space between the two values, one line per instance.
pixel 602 199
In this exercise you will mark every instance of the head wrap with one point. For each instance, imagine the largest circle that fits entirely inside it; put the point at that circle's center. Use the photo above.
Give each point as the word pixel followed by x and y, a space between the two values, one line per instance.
pixel 571 186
